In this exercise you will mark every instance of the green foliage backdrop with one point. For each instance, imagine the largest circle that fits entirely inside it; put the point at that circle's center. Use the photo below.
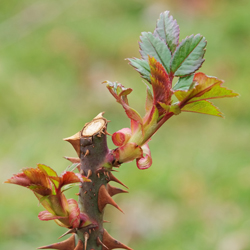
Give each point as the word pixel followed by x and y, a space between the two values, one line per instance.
pixel 54 56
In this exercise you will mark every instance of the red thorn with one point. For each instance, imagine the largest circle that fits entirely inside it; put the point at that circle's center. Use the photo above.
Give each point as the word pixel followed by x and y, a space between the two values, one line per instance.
pixel 68 232
pixel 89 173
pixel 79 245
pixel 75 142
pixel 100 243
pixel 107 133
pixel 113 178
pixel 73 159
pixel 98 175
pixel 106 221
pixel 104 198
pixel 68 244
pixel 114 190
pixel 87 153
pixel 112 243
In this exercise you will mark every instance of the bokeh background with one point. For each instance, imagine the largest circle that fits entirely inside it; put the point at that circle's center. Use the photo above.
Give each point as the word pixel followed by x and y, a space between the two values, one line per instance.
pixel 54 54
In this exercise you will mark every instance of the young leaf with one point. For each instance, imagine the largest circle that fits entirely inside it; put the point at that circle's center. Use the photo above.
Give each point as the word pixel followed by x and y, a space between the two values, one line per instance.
pixel 120 93
pixel 203 107
pixel 188 56
pixel 168 30
pixel 160 82
pixel 141 66
pixel 184 83
pixel 207 87
pixel 155 47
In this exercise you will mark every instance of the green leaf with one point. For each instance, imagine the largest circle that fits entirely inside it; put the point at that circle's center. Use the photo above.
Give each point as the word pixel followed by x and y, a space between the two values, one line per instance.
pixel 188 56
pixel 168 30
pixel 217 91
pixel 154 47
pixel 207 87
pixel 203 107
pixel 184 83
pixel 141 66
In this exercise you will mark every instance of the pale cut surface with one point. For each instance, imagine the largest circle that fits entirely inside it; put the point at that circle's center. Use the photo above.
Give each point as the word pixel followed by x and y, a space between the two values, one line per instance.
pixel 93 127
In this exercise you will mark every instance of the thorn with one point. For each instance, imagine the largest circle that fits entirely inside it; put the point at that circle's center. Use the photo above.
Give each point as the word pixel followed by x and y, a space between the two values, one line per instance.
pixel 68 244
pixel 86 237
pixel 87 153
pixel 100 115
pixel 104 198
pixel 107 133
pixel 89 231
pixel 114 190
pixel 106 221
pixel 79 245
pixel 99 135
pixel 85 192
pixel 82 172
pixel 100 243
pixel 98 174
pixel 113 178
pixel 75 142
pixel 73 159
pixel 71 231
pixel 89 173
pixel 112 243
pixel 77 194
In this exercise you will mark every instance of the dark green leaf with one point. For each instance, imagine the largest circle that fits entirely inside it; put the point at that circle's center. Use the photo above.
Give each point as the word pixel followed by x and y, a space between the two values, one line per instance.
pixel 155 47
pixel 188 56
pixel 168 30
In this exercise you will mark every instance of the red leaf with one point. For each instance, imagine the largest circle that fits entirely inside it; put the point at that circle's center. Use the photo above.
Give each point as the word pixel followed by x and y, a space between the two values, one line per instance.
pixel 161 83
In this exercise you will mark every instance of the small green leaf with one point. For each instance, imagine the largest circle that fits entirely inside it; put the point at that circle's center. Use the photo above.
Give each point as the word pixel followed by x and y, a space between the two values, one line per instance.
pixel 141 66
pixel 188 56
pixel 184 83
pixel 203 107
pixel 154 47
pixel 168 30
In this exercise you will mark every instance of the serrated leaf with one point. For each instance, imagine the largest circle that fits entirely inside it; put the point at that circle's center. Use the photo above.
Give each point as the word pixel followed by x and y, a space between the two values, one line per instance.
pixel 160 82
pixel 155 47
pixel 203 107
pixel 184 83
pixel 188 56
pixel 168 30
pixel 207 87
pixel 141 66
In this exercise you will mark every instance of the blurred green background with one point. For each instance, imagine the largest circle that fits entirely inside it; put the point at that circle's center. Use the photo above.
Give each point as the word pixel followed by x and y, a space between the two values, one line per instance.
pixel 54 54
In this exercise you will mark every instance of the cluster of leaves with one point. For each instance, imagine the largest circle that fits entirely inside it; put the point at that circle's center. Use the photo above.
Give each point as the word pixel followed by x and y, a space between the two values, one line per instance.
pixel 48 187
pixel 163 58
